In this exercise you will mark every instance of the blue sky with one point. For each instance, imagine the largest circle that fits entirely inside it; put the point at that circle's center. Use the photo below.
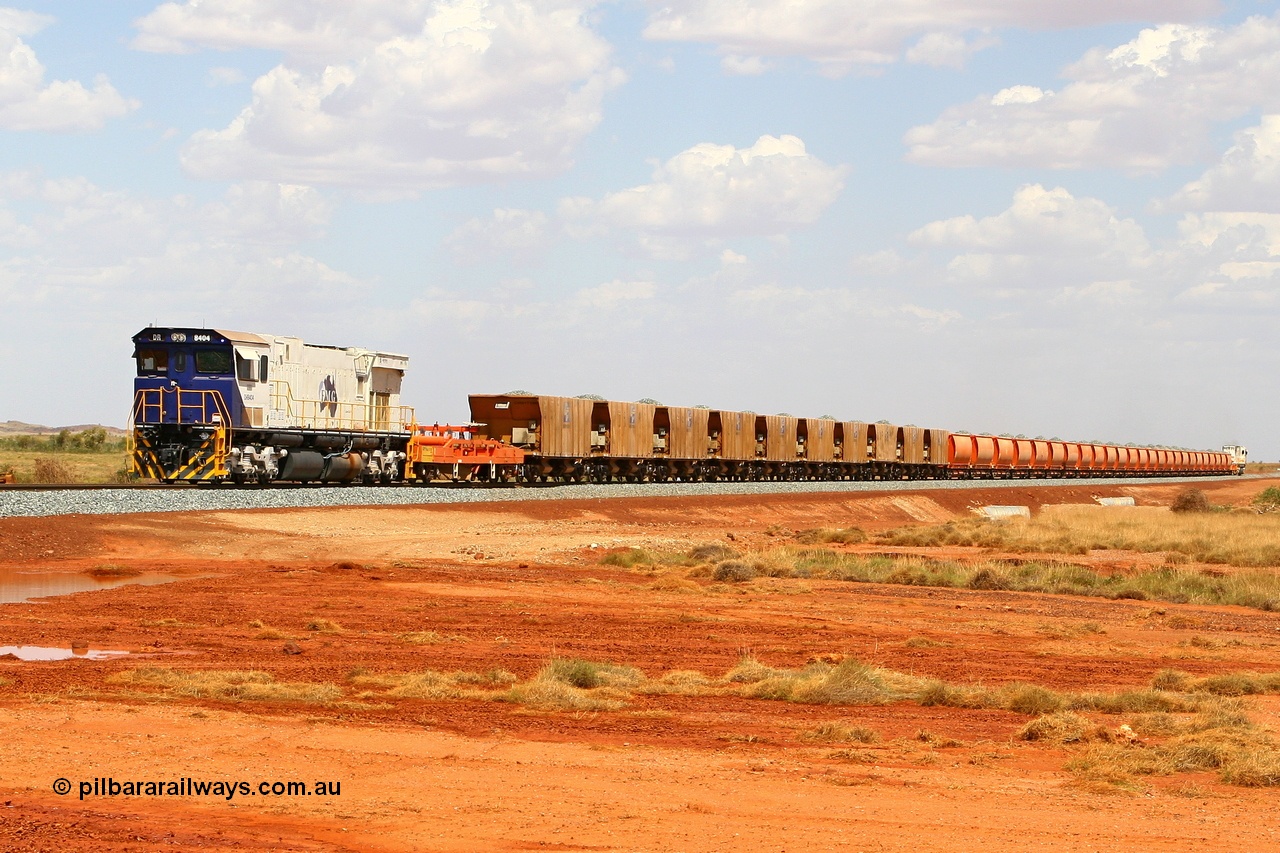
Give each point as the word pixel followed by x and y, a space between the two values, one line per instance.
pixel 1050 219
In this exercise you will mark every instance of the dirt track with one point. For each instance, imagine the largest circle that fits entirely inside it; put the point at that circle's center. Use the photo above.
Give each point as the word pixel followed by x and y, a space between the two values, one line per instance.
pixel 511 585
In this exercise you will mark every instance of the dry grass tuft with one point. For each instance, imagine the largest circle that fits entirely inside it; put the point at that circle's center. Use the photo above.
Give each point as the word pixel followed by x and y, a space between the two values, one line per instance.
pixel 588 675
pixel 840 733
pixel 1254 768
pixel 573 684
pixel 112 571
pixel 227 685
pixel 628 558
pixel 430 684
pixel 1191 500
pixel 47 469
pixel 711 553
pixel 733 571
pixel 323 626
pixel 925 643
pixel 1061 727
pixel 1240 756
pixel 925 736
pixel 1246 540
pixel 430 638
pixel 1223 684
pixel 675 583
pixel 681 682
pixel 846 683
pixel 841 536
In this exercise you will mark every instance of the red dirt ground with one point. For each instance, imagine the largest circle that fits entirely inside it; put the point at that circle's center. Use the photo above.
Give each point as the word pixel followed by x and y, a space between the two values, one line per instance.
pixel 514 584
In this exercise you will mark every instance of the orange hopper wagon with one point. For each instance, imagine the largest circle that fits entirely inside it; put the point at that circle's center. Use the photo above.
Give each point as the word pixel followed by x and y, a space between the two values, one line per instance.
pixel 448 452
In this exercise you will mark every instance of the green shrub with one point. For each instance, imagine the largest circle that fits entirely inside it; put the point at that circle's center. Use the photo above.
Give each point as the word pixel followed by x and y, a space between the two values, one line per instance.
pixel 575 672
pixel 1268 498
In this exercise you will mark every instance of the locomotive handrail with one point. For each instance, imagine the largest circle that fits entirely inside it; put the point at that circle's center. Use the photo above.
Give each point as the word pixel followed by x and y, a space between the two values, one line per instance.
pixel 330 414
pixel 189 407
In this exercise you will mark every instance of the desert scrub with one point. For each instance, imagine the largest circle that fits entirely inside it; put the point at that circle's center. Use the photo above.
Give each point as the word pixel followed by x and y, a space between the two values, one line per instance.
pixel 112 570
pixel 1173 583
pixel 1191 500
pixel 430 684
pixel 587 674
pixel 1223 684
pixel 842 536
pixel 628 558
pixel 1268 500
pixel 227 685
pixel 631 558
pixel 712 552
pixel 323 626
pixel 733 571
pixel 849 682
pixel 1246 539
pixel 430 638
pixel 576 685
pixel 1241 755
pixel 840 733
pixel 1198 731
pixel 680 682
pixel 1061 727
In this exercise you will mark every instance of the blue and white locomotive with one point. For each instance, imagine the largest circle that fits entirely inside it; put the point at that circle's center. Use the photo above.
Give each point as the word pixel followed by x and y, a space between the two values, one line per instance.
pixel 212 405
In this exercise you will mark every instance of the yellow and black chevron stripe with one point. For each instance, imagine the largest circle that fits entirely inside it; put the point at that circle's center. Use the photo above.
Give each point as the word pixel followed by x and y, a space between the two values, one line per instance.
pixel 145 463
pixel 208 461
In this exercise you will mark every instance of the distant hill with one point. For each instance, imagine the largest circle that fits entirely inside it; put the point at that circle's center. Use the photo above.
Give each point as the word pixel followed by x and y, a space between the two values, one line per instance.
pixel 21 428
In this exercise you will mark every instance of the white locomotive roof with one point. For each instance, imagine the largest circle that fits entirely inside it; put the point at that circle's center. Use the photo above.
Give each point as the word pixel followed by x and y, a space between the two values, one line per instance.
pixel 385 359
pixel 244 337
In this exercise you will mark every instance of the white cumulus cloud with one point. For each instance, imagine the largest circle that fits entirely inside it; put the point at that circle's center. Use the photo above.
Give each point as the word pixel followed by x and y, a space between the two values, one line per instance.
pixel 27 102
pixel 398 97
pixel 1246 179
pixel 615 294
pixel 509 231
pixel 711 192
pixel 1145 105
pixel 1046 238
pixel 839 35
pixel 948 50
pixel 67 241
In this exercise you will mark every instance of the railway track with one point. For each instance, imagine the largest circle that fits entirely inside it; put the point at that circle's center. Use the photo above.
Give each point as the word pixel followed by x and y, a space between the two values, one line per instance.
pixel 208 487
pixel 197 486
pixel 124 499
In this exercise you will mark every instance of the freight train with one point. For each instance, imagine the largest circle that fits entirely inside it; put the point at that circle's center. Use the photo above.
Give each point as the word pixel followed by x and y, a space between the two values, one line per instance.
pixel 214 406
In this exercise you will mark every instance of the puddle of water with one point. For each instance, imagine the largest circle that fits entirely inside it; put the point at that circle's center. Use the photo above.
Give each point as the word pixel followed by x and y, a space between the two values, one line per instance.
pixel 23 586
pixel 54 653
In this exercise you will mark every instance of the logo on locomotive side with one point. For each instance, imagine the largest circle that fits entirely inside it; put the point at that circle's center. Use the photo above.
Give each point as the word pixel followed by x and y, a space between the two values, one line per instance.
pixel 329 396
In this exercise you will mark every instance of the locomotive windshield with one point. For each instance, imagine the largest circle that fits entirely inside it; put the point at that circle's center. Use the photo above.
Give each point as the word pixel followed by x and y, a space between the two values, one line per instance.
pixel 152 361
pixel 213 361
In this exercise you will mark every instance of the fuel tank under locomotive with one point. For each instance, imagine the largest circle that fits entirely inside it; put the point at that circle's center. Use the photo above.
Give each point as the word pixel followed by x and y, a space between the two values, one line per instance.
pixel 308 465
